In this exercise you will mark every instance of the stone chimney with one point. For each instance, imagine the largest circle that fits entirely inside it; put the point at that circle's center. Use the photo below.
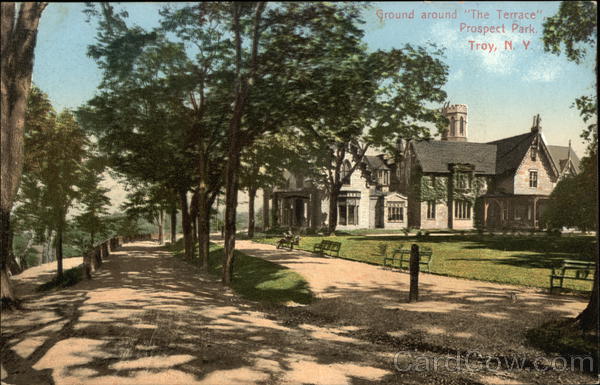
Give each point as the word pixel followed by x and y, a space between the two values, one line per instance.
pixel 535 127
pixel 457 129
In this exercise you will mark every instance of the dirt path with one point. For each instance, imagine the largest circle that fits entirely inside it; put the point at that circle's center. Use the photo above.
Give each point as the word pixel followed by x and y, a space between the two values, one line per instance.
pixel 150 318
pixel 456 314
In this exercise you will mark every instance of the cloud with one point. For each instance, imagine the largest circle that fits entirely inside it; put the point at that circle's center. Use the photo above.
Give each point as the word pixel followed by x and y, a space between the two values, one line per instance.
pixel 545 70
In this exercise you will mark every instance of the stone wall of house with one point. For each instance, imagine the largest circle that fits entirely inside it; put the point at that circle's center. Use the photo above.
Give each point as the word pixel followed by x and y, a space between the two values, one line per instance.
pixel 441 216
pixel 542 165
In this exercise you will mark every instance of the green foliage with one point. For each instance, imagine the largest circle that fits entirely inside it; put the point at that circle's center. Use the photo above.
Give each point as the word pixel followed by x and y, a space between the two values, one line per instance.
pixel 573 201
pixel 574 27
pixel 433 188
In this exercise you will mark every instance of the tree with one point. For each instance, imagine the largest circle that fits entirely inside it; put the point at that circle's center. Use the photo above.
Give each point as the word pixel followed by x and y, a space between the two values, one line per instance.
pixel 385 96
pixel 263 164
pixel 574 27
pixel 93 202
pixel 149 202
pixel 272 46
pixel 18 34
pixel 60 148
pixel 175 104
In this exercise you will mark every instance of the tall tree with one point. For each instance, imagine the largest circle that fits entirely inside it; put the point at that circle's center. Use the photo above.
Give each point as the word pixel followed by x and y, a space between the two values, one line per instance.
pixel 263 165
pixel 93 202
pixel 385 96
pixel 18 34
pixel 61 149
pixel 172 82
pixel 575 29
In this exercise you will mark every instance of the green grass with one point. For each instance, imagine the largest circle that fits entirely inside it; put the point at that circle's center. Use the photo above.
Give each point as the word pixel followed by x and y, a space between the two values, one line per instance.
pixel 69 278
pixel 520 260
pixel 257 279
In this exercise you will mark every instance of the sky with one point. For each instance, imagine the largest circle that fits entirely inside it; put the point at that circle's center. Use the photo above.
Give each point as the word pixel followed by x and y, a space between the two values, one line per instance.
pixel 503 89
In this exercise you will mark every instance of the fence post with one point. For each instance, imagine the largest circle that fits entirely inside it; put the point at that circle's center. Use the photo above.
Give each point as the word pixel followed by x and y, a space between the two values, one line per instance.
pixel 413 294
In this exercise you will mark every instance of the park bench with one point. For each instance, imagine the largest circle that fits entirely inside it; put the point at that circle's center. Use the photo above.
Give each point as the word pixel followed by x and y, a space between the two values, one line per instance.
pixel 400 258
pixel 570 269
pixel 331 248
pixel 289 240
pixel 318 248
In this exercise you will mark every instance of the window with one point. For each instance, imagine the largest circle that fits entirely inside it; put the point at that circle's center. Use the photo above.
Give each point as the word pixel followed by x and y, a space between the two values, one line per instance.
pixel 533 154
pixel 463 181
pixel 395 212
pixel 345 175
pixel 430 209
pixel 383 177
pixel 348 208
pixel 533 179
pixel 462 125
pixel 452 127
pixel 462 209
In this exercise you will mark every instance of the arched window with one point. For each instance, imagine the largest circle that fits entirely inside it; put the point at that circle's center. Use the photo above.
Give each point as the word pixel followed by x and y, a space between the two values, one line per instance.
pixel 346 172
pixel 462 125
pixel 452 127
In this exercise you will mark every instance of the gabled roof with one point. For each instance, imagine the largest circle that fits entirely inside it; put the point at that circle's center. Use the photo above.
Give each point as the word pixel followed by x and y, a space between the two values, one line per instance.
pixel 511 151
pixel 435 155
pixel 560 155
pixel 375 163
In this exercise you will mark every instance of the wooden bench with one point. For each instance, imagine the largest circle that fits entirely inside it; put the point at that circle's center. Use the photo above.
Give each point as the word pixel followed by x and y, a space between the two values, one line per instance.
pixel 571 269
pixel 400 258
pixel 288 241
pixel 330 248
pixel 318 248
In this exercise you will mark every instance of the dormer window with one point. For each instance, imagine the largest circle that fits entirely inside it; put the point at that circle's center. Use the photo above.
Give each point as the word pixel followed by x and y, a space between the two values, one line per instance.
pixel 533 154
pixel 383 177
pixel 463 181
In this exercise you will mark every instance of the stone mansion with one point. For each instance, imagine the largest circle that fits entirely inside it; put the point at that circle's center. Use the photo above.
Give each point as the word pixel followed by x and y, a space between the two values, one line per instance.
pixel 437 184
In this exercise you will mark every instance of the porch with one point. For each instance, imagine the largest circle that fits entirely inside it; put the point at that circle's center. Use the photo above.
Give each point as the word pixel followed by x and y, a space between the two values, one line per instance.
pixel 513 211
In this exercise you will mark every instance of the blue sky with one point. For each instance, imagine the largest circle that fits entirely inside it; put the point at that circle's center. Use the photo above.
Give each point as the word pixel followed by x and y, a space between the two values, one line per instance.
pixel 503 89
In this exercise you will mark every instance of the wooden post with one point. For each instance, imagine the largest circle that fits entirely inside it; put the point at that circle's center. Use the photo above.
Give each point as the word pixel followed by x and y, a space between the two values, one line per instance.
pixel 413 294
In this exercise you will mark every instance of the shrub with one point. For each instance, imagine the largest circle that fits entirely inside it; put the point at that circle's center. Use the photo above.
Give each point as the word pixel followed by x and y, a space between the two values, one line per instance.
pixel 69 278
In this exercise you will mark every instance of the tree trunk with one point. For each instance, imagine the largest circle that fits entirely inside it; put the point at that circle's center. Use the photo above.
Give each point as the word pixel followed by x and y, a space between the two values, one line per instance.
pixel 231 192
pixel 186 226
pixel 18 36
pixel 251 222
pixel 59 252
pixel 588 319
pixel 242 86
pixel 173 224
pixel 161 220
pixel 204 229
pixel 6 291
pixel 266 215
pixel 333 209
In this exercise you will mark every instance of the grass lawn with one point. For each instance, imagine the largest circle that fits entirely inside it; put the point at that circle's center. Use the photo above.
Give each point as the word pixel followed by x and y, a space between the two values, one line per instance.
pixel 257 279
pixel 520 260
